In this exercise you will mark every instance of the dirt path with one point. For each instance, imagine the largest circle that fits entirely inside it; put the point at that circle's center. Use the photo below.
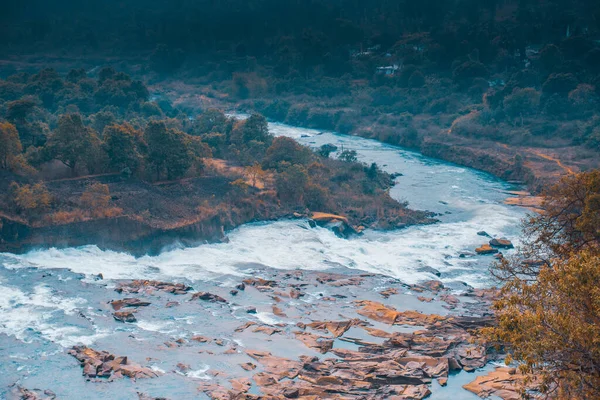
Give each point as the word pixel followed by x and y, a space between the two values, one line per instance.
pixel 565 168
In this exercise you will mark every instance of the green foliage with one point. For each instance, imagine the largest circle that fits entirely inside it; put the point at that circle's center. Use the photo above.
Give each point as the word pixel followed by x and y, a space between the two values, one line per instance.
pixel 31 198
pixel 72 143
pixel 10 144
pixel 286 150
pixel 522 102
pixel 326 149
pixel 167 150
pixel 291 182
pixel 253 128
pixel 348 156
pixel 560 84
pixel 121 146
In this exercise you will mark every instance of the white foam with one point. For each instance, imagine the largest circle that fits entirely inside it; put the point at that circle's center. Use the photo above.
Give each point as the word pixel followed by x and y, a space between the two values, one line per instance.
pixel 27 315
pixel 473 199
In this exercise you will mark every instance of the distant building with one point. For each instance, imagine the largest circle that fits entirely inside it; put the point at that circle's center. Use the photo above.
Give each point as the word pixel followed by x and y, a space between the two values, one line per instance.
pixel 389 70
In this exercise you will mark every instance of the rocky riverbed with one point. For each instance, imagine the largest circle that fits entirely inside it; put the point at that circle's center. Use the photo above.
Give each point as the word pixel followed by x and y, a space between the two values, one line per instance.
pixel 267 334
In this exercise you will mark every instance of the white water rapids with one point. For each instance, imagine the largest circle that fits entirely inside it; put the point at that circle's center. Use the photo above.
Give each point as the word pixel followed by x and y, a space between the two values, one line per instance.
pixel 469 201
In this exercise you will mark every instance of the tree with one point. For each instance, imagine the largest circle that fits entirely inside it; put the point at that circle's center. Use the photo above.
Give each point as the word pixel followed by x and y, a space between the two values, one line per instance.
pixel 211 121
pixel 18 110
pixel 522 102
pixel 285 149
pixel 348 156
pixel 548 310
pixel 31 198
pixel 96 198
pixel 326 149
pixel 290 183
pixel 552 325
pixel 255 173
pixel 254 128
pixel 72 143
pixel 120 143
pixel 10 144
pixel 560 83
pixel 167 150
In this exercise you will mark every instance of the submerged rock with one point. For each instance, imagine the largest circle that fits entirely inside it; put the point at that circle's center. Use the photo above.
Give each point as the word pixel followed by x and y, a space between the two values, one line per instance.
pixel 20 393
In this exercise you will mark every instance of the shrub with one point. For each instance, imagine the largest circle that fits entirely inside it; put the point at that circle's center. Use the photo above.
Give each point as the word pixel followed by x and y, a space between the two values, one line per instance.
pixel 560 84
pixel 522 102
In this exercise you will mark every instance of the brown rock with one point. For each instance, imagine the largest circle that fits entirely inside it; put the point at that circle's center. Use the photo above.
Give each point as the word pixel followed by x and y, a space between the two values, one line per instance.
pixel 501 243
pixel 486 249
pixel 248 366
pixel 128 302
pixel 124 316
pixel 208 297
pixel 388 292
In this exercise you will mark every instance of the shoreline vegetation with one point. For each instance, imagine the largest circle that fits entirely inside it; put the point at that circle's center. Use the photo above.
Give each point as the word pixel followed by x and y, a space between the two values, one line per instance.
pixel 132 178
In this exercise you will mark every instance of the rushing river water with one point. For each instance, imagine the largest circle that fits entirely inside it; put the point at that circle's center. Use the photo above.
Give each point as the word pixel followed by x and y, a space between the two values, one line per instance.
pixel 43 308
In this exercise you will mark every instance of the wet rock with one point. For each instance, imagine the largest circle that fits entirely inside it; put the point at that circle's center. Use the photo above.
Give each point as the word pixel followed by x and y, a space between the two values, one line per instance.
pixel 172 304
pixel 319 343
pixel 144 396
pixel 430 270
pixel 183 368
pixel 266 329
pixel 99 277
pixel 336 328
pixel 279 312
pixel 503 382
pixel 20 393
pixel 433 285
pixel 245 326
pixel 128 302
pixel 206 296
pixel 486 249
pixel 139 286
pixel 471 358
pixel 233 292
pixel 388 292
pixel 501 243
pixel 483 233
pixel 124 316
pixel 251 310
pixel 101 364
pixel 201 339
pixel 259 282
pixel 248 366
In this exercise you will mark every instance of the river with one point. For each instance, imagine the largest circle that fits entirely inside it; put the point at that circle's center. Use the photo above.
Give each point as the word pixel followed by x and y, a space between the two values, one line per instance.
pixel 49 299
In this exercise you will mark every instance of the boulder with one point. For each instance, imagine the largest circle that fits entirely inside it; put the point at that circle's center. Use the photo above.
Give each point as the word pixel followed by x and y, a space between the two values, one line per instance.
pixel 101 364
pixel 138 286
pixel 208 297
pixel 128 302
pixel 124 316
pixel 501 243
pixel 486 249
